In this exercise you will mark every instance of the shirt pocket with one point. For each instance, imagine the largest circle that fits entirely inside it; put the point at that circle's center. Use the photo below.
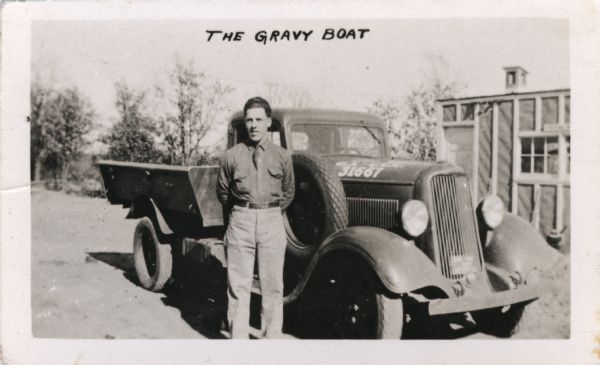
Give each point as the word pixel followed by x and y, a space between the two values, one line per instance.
pixel 275 181
pixel 241 178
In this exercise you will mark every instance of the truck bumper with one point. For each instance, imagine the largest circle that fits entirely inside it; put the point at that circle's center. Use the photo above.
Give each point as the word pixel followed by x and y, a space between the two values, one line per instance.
pixel 470 303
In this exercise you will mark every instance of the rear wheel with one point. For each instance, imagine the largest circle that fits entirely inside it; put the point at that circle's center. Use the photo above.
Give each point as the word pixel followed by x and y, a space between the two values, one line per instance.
pixel 346 301
pixel 152 259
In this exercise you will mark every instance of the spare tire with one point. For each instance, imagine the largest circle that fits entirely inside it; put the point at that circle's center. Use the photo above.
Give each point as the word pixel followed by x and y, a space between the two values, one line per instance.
pixel 319 207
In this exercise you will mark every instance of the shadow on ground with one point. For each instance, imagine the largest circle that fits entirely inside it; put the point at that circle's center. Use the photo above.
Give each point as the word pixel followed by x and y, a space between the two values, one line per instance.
pixel 118 260
pixel 200 295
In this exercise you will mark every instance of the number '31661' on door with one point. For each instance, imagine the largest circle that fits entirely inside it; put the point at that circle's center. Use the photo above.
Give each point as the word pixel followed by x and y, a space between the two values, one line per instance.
pixel 359 171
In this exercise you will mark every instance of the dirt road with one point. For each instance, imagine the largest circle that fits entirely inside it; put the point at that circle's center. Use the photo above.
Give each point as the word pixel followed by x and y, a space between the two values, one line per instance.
pixel 84 286
pixel 82 283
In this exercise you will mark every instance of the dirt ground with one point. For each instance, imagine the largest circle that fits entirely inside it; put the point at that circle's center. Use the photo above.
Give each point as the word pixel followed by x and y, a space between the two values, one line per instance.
pixel 84 284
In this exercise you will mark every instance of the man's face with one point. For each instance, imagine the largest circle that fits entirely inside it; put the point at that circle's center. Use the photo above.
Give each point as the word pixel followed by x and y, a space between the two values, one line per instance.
pixel 257 123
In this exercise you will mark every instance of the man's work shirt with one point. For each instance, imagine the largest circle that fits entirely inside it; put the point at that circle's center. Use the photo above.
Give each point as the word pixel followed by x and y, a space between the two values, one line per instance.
pixel 272 180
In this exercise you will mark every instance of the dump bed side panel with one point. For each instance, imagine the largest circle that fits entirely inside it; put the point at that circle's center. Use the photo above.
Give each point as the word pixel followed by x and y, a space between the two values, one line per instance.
pixel 204 183
pixel 185 196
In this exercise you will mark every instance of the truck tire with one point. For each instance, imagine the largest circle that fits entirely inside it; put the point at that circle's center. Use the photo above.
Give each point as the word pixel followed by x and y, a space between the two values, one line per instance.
pixel 319 207
pixel 345 300
pixel 152 259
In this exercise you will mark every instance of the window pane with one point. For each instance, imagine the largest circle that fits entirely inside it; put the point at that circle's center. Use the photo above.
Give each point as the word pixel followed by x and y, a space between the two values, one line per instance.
pixel 526 114
pixel 552 150
pixel 538 164
pixel 549 110
pixel 538 144
pixel 568 155
pixel 526 164
pixel 361 141
pixel 510 78
pixel 449 113
pixel 567 109
pixel 552 145
pixel 300 141
pixel 337 138
pixel 467 111
pixel 526 146
pixel 553 164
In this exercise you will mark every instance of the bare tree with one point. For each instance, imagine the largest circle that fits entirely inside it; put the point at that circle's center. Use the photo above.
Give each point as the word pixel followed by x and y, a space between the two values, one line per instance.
pixel 412 121
pixel 196 103
pixel 390 111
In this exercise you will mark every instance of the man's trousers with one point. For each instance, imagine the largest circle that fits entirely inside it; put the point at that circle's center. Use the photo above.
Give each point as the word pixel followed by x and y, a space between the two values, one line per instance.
pixel 255 233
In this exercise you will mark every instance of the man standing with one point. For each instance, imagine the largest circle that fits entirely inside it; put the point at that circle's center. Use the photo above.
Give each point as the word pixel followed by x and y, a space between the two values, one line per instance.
pixel 256 181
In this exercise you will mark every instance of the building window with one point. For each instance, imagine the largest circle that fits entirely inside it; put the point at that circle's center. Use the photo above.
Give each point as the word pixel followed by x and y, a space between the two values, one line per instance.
pixel 539 155
pixel 567 109
pixel 549 111
pixel 568 143
pixel 527 114
pixel 511 78
pixel 467 111
pixel 449 113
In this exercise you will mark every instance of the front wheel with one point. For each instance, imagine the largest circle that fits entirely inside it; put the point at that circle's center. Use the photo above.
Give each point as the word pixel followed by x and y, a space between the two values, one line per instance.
pixel 345 300
pixel 152 259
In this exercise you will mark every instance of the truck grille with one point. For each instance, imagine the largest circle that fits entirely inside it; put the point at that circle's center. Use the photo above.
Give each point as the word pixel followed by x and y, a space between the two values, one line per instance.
pixel 455 226
pixel 381 213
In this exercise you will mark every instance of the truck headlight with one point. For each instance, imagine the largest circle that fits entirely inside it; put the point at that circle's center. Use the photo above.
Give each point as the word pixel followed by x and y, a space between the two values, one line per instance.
pixel 414 217
pixel 492 211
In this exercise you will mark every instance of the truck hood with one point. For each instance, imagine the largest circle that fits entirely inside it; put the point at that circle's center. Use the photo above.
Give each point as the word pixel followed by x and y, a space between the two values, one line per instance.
pixel 387 171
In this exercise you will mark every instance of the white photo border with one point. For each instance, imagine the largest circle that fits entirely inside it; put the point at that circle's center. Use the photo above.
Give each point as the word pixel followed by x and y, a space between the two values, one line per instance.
pixel 18 345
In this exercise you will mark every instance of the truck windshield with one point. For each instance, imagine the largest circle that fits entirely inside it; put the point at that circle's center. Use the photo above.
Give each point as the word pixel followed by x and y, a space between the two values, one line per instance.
pixel 338 139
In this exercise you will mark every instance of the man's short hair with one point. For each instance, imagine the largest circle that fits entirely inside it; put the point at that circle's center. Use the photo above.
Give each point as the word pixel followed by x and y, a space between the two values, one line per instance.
pixel 258 102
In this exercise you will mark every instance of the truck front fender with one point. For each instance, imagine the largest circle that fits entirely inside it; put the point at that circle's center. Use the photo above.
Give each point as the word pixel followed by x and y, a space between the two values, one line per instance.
pixel 399 264
pixel 516 246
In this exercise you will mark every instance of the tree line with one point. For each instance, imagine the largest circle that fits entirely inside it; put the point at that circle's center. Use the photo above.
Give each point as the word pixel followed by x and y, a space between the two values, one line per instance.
pixel 167 124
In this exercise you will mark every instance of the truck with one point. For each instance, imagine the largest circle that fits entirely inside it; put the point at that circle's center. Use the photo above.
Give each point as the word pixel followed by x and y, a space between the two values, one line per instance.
pixel 376 247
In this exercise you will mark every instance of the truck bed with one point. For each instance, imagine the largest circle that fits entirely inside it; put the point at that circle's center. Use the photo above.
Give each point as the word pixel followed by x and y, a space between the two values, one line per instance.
pixel 185 195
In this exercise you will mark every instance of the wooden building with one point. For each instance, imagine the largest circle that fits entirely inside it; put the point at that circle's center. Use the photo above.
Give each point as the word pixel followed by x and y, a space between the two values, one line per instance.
pixel 515 145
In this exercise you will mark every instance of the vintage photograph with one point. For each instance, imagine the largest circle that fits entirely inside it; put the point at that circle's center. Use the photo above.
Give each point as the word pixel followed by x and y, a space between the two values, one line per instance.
pixel 305 179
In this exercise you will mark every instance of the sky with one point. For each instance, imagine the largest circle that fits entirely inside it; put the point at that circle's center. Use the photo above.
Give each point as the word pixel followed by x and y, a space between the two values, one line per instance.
pixel 392 58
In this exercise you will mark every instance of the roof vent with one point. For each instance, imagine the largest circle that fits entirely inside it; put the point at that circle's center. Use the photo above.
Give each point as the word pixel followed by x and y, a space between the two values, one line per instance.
pixel 516 78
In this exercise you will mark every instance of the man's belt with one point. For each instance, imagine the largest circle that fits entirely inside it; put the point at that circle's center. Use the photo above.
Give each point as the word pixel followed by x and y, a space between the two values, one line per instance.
pixel 251 205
